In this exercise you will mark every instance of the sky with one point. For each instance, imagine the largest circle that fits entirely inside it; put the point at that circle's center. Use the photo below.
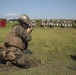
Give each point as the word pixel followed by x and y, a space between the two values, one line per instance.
pixel 38 9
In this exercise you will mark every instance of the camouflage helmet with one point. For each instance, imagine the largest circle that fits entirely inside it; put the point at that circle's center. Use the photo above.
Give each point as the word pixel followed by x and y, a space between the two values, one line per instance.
pixel 25 18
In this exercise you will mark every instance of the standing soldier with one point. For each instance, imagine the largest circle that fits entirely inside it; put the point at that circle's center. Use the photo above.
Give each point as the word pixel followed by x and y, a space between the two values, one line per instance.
pixel 16 42
pixel 64 23
pixel 48 23
pixel 58 23
pixel 33 23
pixel 69 24
pixel 42 24
pixel 52 23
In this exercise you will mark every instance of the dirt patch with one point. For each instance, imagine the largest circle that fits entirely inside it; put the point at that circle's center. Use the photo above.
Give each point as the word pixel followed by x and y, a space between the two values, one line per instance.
pixel 3 68
pixel 72 68
pixel 33 63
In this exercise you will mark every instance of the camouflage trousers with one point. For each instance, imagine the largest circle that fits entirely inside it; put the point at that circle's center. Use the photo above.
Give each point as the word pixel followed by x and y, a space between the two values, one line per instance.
pixel 15 55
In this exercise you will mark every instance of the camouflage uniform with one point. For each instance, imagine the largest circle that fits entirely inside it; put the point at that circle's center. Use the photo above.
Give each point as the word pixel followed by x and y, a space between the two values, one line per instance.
pixel 16 42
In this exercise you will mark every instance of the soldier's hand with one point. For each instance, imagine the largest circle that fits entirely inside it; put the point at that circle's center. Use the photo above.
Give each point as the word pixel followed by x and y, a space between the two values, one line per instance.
pixel 29 30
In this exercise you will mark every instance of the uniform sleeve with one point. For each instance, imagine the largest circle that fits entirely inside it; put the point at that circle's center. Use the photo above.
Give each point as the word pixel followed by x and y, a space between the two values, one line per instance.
pixel 21 32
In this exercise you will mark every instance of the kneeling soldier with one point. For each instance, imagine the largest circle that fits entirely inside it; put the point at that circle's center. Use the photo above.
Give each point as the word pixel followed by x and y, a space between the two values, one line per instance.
pixel 17 41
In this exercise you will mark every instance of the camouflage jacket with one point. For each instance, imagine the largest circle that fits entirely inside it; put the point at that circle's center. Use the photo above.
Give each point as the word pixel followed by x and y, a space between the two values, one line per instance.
pixel 18 36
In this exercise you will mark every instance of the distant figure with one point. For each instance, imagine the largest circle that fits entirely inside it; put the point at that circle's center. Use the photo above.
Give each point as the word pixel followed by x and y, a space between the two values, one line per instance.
pixel 52 23
pixel 33 23
pixel 58 23
pixel 48 22
pixel 43 23
pixel 69 24
pixel 64 24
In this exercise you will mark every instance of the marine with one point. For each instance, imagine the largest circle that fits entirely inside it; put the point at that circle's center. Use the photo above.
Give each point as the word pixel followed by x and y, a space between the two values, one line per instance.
pixel 16 42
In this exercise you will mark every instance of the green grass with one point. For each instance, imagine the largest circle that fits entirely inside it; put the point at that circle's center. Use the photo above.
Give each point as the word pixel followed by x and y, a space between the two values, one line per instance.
pixel 53 47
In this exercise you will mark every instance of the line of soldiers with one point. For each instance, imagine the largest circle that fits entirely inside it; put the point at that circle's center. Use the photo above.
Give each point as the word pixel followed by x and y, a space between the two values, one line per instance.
pixel 53 23
pixel 56 23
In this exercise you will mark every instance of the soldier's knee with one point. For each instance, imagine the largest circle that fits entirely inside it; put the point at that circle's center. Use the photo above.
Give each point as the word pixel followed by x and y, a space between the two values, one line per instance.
pixel 21 61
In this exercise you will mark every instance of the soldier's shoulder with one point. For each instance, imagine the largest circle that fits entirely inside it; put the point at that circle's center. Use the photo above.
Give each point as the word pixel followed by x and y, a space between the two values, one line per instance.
pixel 17 26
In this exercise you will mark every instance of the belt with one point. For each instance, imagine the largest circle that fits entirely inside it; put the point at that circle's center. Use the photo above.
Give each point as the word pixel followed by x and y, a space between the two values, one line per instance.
pixel 8 45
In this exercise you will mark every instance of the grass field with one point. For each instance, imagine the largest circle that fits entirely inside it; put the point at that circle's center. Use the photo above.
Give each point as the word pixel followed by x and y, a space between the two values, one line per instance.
pixel 53 46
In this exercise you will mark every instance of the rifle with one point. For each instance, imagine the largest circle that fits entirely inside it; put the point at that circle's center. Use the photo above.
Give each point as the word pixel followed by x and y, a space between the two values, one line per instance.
pixel 29 26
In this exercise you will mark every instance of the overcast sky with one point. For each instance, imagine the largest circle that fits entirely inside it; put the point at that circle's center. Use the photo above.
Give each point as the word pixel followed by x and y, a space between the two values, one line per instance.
pixel 38 9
